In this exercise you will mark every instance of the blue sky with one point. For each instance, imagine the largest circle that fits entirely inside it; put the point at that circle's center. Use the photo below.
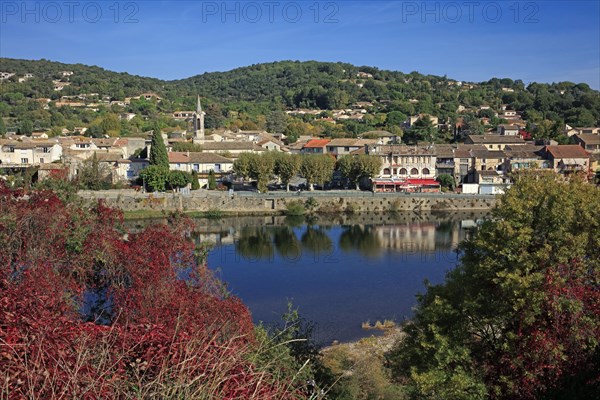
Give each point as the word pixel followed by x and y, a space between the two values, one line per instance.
pixel 543 41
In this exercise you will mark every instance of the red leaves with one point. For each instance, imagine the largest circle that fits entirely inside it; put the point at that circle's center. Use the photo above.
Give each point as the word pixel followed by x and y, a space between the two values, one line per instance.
pixel 165 331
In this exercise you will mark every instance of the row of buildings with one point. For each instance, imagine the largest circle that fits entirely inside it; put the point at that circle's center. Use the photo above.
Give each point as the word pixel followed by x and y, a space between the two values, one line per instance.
pixel 485 160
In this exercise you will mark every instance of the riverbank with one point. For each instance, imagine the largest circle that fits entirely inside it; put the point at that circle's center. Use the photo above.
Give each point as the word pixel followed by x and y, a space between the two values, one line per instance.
pixel 202 203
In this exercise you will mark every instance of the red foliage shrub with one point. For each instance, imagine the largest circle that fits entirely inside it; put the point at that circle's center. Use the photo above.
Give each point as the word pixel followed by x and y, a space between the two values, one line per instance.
pixel 170 330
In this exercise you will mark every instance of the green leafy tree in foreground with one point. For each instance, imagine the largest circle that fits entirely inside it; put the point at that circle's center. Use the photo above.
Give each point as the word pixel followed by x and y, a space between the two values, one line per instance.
pixel 287 166
pixel 93 176
pixel 519 318
pixel 155 177
pixel 317 169
pixel 446 181
pixel 355 168
pixel 178 179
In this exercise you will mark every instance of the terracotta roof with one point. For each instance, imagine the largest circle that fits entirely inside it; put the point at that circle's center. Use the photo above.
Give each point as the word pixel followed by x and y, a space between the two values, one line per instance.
pixel 358 151
pixel 379 133
pixel 199 158
pixel 589 138
pixel 401 149
pixel 226 146
pixel 488 154
pixel 342 142
pixel 109 157
pixel 317 143
pixel 495 139
pixel 567 151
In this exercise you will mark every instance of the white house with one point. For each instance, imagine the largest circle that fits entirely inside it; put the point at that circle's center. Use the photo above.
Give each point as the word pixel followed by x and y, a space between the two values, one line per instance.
pixel 29 153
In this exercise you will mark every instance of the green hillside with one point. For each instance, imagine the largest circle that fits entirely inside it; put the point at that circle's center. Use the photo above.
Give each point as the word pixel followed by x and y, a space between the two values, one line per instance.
pixel 253 97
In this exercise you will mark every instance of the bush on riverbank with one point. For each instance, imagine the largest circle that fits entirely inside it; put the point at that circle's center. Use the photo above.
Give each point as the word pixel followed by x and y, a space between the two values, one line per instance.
pixel 294 208
pixel 519 318
pixel 91 312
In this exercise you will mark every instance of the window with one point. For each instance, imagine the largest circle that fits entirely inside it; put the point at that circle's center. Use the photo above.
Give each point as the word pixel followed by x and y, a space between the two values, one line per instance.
pixel 395 171
pixel 41 160
pixel 196 167
pixel 425 171
pixel 346 148
pixel 45 150
pixel 24 160
pixel 403 171
pixel 414 171
pixel 386 171
pixel 10 150
pixel 217 167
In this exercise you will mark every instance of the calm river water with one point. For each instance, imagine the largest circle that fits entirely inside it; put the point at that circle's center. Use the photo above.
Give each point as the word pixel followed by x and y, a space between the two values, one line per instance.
pixel 337 271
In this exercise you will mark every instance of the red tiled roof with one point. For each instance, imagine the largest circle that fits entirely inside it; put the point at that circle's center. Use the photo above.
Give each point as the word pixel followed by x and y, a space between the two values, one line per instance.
pixel 317 143
pixel 567 151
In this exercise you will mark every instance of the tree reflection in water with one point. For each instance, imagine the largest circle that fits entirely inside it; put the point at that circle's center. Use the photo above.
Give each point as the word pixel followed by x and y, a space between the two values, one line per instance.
pixel 361 238
pixel 316 240
pixel 286 243
pixel 255 243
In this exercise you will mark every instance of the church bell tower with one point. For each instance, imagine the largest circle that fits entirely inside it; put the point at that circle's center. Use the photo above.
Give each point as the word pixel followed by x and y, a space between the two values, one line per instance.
pixel 199 123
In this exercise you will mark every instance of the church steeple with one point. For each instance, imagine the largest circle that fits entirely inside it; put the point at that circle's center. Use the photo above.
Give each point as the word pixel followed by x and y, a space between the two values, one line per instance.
pixel 199 122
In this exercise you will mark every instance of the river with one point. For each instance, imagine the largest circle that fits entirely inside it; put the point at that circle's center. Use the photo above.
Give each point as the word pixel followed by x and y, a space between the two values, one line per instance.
pixel 337 271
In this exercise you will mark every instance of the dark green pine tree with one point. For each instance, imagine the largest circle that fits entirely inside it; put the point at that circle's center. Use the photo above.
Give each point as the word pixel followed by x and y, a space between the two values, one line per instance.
pixel 158 151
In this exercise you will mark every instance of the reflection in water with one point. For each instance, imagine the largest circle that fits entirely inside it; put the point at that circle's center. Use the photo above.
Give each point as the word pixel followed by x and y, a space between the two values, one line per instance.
pixel 361 238
pixel 255 243
pixel 286 242
pixel 339 271
pixel 316 240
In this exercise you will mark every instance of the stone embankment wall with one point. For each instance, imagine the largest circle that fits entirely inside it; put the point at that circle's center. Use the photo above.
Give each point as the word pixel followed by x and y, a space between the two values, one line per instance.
pixel 248 202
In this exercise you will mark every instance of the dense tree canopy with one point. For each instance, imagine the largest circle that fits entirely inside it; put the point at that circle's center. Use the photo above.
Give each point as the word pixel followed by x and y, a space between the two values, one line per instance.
pixel 519 318
pixel 254 97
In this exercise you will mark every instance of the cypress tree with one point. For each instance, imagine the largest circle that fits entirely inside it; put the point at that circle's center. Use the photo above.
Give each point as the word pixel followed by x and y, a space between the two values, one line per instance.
pixel 158 150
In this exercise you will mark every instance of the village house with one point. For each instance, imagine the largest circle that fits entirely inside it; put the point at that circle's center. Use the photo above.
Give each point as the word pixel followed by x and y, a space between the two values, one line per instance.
pixel 568 159
pixel 494 142
pixel 340 147
pixel 121 169
pixel 39 135
pixel 127 116
pixel 183 114
pixel 570 131
pixel 316 146
pixel 402 161
pixel 383 137
pixel 411 120
pixel 487 160
pixel 148 96
pixel 28 153
pixel 271 144
pixel 444 164
pixel 202 163
pixel 5 75
pixel 520 158
pixel 590 142
pixel 233 149
pixel 507 130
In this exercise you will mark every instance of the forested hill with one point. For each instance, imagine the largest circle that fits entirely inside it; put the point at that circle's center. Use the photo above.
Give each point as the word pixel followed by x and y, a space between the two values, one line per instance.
pixel 85 79
pixel 248 92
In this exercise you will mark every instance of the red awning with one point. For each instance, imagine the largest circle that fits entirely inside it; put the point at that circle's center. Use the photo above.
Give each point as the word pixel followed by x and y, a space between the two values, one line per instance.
pixel 424 182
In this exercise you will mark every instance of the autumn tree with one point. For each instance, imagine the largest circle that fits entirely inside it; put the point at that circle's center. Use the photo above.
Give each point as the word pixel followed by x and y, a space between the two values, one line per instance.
pixel 519 318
